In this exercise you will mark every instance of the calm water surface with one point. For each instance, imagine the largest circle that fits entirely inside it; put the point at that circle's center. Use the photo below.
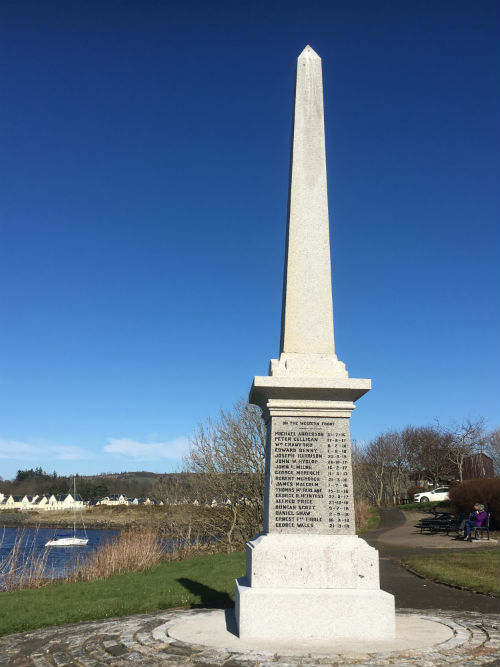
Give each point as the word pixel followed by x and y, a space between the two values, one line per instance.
pixel 60 559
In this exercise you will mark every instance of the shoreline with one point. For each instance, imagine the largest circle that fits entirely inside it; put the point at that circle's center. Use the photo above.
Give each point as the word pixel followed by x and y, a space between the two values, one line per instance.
pixel 108 518
pixel 63 525
pixel 174 519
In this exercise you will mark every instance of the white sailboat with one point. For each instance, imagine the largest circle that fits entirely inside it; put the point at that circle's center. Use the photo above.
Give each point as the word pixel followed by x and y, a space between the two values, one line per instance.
pixel 70 540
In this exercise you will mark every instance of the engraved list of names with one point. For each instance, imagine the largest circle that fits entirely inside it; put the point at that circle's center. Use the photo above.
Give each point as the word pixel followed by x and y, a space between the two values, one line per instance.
pixel 310 479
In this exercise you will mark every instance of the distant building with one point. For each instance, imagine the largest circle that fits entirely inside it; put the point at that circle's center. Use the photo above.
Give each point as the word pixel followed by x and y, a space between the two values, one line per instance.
pixel 51 503
pixel 27 502
pixel 66 501
pixel 40 502
pixel 115 499
pixel 478 466
pixel 12 502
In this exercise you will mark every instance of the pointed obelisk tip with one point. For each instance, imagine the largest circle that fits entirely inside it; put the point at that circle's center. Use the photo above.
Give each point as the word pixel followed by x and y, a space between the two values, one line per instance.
pixel 309 52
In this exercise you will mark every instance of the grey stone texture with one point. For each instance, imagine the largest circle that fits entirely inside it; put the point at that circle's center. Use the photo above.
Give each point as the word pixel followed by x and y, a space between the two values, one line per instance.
pixel 307 325
pixel 340 562
pixel 311 614
pixel 308 476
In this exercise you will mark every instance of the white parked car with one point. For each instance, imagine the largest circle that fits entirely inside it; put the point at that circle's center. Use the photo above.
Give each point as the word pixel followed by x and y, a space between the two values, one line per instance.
pixel 441 493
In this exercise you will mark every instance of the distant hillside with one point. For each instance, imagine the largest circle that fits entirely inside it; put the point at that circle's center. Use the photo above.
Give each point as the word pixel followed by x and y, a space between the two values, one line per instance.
pixel 140 483
pixel 126 475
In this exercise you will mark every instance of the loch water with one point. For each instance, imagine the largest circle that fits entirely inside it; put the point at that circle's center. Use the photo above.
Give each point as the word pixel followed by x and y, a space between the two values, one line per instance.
pixel 60 560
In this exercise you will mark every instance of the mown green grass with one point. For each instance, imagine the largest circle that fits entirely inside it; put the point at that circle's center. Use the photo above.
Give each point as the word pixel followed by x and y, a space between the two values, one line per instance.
pixel 201 580
pixel 425 507
pixel 474 571
pixel 373 519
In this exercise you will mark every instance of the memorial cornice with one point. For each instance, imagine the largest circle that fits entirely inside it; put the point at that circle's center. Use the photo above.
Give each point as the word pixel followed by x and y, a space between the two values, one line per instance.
pixel 306 389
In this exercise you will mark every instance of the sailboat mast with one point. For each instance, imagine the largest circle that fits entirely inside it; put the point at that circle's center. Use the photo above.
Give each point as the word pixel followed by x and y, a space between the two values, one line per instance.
pixel 74 506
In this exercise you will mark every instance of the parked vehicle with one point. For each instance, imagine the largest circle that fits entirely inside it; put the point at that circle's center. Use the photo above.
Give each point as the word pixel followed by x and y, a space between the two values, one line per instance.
pixel 441 493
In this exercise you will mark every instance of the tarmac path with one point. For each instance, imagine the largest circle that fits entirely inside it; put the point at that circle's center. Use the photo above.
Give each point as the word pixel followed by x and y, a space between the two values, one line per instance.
pixel 395 538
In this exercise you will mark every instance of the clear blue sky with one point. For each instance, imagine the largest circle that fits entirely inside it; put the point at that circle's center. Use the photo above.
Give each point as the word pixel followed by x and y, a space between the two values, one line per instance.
pixel 144 175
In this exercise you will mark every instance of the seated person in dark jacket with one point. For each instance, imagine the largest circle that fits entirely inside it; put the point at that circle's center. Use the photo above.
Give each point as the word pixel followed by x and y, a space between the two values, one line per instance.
pixel 475 520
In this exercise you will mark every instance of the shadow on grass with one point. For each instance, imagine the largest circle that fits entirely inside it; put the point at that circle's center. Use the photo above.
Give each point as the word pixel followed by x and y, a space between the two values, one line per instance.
pixel 209 597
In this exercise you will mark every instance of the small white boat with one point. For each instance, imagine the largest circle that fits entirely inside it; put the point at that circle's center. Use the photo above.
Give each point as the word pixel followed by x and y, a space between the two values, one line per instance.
pixel 70 540
pixel 67 541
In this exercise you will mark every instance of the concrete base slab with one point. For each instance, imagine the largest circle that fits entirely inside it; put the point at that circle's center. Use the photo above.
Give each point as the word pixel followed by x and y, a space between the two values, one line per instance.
pixel 218 629
pixel 313 613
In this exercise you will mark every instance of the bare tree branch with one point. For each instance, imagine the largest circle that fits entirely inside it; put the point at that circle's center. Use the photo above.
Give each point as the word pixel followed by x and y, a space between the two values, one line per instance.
pixel 228 457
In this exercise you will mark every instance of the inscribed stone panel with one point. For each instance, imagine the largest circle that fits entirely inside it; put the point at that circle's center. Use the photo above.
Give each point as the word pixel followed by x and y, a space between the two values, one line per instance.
pixel 308 476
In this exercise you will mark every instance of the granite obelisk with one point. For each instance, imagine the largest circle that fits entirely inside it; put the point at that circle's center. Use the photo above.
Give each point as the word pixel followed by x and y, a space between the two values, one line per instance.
pixel 308 575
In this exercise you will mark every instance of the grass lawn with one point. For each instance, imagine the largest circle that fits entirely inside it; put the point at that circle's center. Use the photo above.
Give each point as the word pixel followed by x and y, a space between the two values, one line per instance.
pixel 439 505
pixel 204 580
pixel 372 521
pixel 475 571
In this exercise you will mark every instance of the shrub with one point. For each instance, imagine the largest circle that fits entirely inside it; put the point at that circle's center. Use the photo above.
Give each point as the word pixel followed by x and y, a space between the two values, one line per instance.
pixel 361 513
pixel 131 550
pixel 485 491
pixel 415 489
pixel 24 566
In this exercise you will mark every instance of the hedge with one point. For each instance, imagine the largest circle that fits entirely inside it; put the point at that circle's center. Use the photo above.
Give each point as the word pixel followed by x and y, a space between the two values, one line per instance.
pixel 485 491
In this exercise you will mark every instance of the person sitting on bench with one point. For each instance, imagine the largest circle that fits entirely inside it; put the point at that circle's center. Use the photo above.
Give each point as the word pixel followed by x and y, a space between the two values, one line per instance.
pixel 475 520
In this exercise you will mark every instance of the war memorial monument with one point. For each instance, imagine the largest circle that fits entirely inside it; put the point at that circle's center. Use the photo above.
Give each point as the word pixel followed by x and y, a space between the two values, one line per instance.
pixel 311 594
pixel 308 575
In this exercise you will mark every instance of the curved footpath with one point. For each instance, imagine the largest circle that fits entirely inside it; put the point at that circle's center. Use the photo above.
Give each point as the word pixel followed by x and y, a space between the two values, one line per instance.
pixel 396 538
pixel 468 621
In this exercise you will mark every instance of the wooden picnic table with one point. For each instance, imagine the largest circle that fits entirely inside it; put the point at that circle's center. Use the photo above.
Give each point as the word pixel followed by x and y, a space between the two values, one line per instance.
pixel 441 522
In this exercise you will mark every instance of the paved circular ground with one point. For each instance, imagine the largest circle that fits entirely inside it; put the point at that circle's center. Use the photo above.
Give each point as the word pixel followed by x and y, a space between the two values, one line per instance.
pixel 144 641
pixel 218 628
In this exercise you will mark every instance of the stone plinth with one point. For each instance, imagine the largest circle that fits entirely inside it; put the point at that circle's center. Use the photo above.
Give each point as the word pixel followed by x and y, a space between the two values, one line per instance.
pixel 313 613
pixel 308 576
pixel 311 561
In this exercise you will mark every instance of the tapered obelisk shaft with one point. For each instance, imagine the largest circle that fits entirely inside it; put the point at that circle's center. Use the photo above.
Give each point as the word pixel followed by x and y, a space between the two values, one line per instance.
pixel 307 318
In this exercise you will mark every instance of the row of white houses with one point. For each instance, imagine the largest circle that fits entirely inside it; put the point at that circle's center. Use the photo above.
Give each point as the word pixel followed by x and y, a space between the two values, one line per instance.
pixel 66 501
pixel 120 499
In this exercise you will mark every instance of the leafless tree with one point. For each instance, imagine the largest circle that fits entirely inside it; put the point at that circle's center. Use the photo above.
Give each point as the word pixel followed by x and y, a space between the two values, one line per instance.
pixel 400 466
pixel 464 440
pixel 428 452
pixel 380 469
pixel 379 460
pixel 228 457
pixel 492 448
pixel 173 488
pixel 360 472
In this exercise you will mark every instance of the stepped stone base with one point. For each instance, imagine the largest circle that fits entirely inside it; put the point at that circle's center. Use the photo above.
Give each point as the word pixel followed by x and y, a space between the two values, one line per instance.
pixel 315 613
pixel 312 587
pixel 278 560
